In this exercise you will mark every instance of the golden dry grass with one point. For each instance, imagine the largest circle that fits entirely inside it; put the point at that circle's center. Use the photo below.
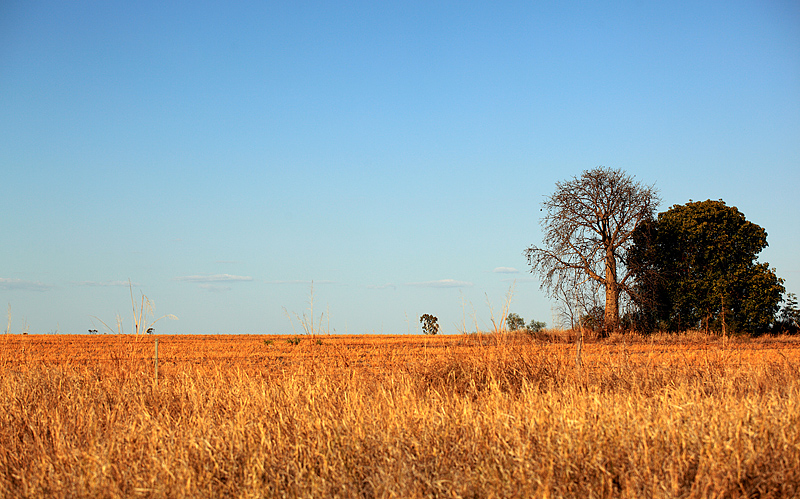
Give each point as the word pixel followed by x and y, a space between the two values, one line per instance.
pixel 398 416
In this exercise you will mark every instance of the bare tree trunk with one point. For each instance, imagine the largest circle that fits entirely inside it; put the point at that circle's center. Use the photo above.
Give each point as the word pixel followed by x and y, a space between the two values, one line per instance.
pixel 612 310
pixel 611 319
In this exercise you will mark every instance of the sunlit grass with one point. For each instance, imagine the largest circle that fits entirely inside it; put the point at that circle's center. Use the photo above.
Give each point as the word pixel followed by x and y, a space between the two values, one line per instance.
pixel 475 416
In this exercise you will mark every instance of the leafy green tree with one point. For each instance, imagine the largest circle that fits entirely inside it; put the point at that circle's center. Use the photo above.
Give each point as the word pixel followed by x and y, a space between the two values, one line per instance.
pixel 695 266
pixel 514 322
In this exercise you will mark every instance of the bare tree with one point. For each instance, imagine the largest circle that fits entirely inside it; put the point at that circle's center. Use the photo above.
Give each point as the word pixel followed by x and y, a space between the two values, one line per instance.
pixel 588 225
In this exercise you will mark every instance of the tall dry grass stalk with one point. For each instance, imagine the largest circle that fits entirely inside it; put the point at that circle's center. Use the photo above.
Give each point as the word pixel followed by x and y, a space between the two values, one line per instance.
pixel 140 319
pixel 499 326
pixel 307 321
pixel 515 419
pixel 140 324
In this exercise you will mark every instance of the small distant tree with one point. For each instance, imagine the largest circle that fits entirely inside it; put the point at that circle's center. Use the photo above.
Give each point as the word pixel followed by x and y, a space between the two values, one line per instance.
pixel 514 322
pixel 536 326
pixel 429 324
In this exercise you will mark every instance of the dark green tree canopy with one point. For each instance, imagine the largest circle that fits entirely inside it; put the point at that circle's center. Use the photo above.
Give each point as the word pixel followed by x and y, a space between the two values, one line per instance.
pixel 696 266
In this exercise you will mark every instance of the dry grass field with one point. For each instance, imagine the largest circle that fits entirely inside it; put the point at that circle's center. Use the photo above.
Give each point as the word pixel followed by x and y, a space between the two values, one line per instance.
pixel 399 416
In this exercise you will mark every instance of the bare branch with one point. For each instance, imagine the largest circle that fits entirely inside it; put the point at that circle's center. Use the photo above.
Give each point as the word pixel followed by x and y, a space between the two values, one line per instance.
pixel 587 227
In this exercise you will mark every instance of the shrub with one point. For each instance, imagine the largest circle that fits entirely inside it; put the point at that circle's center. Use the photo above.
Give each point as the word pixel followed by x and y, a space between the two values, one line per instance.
pixel 788 320
pixel 429 324
pixel 536 326
pixel 594 319
pixel 514 322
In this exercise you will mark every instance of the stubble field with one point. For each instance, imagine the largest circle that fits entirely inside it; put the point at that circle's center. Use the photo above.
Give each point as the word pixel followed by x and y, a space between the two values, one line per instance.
pixel 398 416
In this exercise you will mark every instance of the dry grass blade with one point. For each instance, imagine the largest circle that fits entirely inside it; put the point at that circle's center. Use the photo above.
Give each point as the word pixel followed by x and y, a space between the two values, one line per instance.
pixel 399 416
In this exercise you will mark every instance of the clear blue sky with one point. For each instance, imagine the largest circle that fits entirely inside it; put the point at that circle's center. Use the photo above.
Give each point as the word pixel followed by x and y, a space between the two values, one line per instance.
pixel 223 155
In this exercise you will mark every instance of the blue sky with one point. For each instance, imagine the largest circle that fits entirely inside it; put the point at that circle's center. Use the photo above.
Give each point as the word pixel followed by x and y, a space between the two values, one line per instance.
pixel 222 156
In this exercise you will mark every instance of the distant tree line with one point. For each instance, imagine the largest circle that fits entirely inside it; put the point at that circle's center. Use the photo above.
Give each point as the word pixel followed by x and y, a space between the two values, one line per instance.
pixel 613 264
pixel 516 323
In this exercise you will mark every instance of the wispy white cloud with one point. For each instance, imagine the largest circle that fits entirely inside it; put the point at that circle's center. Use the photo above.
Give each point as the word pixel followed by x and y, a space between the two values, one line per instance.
pixel 443 283
pixel 505 270
pixel 22 285
pixel 105 283
pixel 213 278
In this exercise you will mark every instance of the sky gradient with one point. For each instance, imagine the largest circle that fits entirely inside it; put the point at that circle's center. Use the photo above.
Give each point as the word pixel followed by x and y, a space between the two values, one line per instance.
pixel 223 156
